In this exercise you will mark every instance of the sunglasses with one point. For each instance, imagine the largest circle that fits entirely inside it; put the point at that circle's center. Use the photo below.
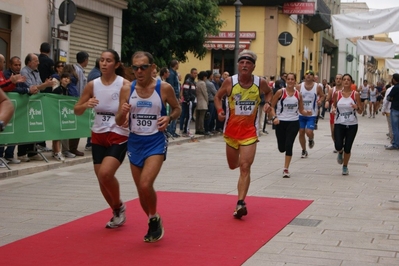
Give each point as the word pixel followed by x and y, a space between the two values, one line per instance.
pixel 309 73
pixel 142 67
pixel 60 66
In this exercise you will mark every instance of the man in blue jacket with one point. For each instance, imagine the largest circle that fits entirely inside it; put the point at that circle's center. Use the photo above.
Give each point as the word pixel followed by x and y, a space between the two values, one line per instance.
pixel 173 80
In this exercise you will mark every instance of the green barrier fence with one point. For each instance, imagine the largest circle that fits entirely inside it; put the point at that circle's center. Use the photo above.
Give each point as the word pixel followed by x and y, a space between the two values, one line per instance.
pixel 45 116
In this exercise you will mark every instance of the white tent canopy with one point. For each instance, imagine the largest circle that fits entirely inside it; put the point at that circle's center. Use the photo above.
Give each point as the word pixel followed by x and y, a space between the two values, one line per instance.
pixel 376 49
pixel 364 24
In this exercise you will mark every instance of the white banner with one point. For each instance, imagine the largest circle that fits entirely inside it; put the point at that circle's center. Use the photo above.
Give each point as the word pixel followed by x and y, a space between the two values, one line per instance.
pixel 376 49
pixel 367 23
pixel 392 65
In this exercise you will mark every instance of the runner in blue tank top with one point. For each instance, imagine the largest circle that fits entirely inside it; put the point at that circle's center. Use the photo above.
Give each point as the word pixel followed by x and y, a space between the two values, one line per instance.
pixel 145 104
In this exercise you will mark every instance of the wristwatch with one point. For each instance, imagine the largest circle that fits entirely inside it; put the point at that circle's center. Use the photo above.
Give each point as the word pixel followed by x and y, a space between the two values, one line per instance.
pixel 2 126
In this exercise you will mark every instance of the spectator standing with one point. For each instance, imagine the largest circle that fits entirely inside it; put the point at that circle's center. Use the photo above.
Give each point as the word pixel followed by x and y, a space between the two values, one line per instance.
pixel 218 124
pixel 173 80
pixel 210 115
pixel 225 76
pixel 93 74
pixel 281 82
pixel 8 84
pixel 62 89
pixel 46 65
pixel 35 84
pixel 82 59
pixel 386 110
pixel 62 69
pixel 188 104
pixel 393 97
pixel 202 104
pixel 164 73
pixel 46 70
pixel 16 79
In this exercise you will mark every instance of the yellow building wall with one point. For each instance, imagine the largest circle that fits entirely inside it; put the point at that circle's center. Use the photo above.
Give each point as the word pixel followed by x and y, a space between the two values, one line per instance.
pixel 294 54
pixel 261 20
pixel 251 19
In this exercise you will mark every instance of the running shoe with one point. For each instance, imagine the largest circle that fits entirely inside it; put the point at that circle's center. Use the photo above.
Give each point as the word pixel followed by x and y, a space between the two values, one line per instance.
pixel 68 154
pixel 35 157
pixel 155 230
pixel 13 161
pixel 345 170
pixel 391 147
pixel 286 173
pixel 24 158
pixel 304 154
pixel 340 158
pixel 42 149
pixel 59 156
pixel 240 211
pixel 311 143
pixel 118 219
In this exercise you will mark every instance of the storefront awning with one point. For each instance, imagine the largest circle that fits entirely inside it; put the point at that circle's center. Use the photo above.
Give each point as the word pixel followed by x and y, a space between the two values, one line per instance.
pixel 226 44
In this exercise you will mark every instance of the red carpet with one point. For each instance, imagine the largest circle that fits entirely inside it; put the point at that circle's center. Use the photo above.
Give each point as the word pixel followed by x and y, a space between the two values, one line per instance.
pixel 199 230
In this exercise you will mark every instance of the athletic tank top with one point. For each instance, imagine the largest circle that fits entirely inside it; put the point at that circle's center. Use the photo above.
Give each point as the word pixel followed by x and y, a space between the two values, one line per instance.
pixel 309 98
pixel 287 106
pixel 364 92
pixel 373 95
pixel 145 112
pixel 345 114
pixel 108 104
pixel 242 112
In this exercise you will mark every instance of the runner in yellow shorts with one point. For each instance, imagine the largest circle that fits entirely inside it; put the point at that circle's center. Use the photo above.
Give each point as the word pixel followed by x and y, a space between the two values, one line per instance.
pixel 240 131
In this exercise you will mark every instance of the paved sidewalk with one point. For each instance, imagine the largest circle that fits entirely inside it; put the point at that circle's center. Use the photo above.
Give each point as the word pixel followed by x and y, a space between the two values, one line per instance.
pixel 354 219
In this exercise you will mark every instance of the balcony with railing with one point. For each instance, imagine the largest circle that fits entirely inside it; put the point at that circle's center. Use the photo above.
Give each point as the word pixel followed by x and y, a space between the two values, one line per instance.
pixel 321 19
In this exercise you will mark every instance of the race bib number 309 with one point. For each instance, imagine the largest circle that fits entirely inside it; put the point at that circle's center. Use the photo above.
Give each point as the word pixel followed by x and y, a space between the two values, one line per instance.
pixel 144 122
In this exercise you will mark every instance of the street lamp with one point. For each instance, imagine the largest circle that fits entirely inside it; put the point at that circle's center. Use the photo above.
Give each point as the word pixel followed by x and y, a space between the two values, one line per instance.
pixel 238 5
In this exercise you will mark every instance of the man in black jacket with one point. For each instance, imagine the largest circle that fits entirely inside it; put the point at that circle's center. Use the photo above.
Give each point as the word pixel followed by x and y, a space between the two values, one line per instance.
pixel 393 97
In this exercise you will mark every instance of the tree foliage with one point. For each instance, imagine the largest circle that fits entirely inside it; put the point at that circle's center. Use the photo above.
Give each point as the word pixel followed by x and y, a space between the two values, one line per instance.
pixel 168 28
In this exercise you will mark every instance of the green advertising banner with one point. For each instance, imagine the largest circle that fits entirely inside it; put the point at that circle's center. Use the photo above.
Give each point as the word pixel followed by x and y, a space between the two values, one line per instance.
pixel 45 116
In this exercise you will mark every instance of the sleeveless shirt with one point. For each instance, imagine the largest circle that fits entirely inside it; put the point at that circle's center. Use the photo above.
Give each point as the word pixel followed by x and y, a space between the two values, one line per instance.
pixel 105 111
pixel 287 106
pixel 345 114
pixel 309 98
pixel 145 112
pixel 364 92
pixel 242 110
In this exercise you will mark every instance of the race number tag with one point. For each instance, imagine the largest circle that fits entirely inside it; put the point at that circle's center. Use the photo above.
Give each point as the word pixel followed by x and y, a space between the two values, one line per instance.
pixel 105 119
pixel 144 123
pixel 244 107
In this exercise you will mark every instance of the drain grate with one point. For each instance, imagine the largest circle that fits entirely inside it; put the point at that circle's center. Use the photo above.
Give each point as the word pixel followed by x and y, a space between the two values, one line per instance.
pixel 305 222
